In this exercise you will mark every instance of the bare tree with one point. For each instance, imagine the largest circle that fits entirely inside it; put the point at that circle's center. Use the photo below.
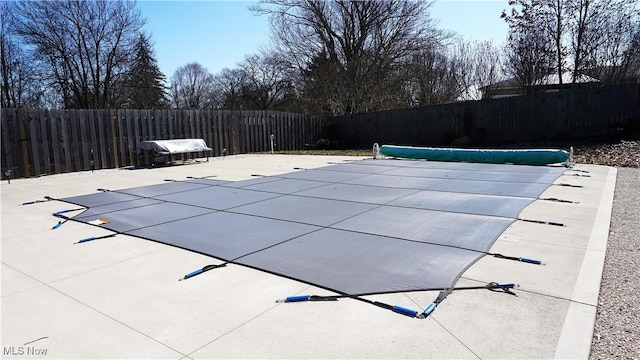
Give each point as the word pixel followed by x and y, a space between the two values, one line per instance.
pixel 616 54
pixel 528 58
pixel 537 24
pixel 229 84
pixel 478 64
pixel 266 80
pixel 19 78
pixel 82 45
pixel 192 87
pixel 433 78
pixel 553 13
pixel 360 44
pixel 579 31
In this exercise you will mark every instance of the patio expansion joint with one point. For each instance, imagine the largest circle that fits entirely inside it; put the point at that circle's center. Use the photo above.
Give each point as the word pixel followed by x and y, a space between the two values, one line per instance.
pixel 182 355
pixel 80 273
pixel 233 329
pixel 434 318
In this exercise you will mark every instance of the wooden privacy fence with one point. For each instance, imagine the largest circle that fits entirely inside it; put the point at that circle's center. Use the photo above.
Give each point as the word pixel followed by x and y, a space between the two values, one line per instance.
pixel 564 115
pixel 36 142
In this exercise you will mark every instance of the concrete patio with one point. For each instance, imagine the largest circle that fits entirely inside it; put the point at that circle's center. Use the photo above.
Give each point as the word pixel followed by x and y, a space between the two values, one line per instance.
pixel 119 297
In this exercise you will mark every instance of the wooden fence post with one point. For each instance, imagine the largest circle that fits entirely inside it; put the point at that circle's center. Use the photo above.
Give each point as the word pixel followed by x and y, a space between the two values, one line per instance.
pixel 23 140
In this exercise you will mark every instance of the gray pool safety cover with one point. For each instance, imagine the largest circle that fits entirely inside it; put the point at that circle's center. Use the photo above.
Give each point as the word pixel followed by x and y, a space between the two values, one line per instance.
pixel 363 227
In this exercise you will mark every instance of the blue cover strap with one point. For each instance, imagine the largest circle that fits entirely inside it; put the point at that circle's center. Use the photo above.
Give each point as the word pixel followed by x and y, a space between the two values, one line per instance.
pixel 86 239
pixel 531 261
pixel 405 311
pixel 193 273
pixel 297 298
pixel 429 309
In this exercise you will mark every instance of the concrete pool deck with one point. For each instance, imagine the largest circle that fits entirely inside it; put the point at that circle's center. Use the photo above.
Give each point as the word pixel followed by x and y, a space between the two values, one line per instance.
pixel 119 297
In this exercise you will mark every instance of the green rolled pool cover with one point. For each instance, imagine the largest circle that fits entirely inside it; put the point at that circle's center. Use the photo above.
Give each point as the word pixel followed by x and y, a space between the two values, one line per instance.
pixel 493 156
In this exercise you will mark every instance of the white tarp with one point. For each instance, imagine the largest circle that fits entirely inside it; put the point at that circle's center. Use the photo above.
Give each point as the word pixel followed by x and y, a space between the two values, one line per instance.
pixel 175 146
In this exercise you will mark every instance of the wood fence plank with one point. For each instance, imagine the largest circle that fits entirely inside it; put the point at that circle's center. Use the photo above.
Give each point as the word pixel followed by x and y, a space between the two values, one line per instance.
pixel 200 118
pixel 103 141
pixel 22 115
pixel 285 131
pixel 94 154
pixel 121 136
pixel 184 124
pixel 299 131
pixel 8 146
pixel 130 140
pixel 289 135
pixel 232 150
pixel 33 140
pixel 142 126
pixel 66 140
pixel 242 131
pixel 248 129
pixel 157 120
pixel 235 136
pixel 192 124
pixel 259 141
pixel 220 126
pixel 74 140
pixel 166 116
pixel 277 130
pixel 152 118
pixel 136 135
pixel 170 116
pixel 253 131
pixel 282 140
pixel 264 128
pixel 113 137
pixel 84 139
pixel 207 129
pixel 213 128
pixel 295 129
pixel 44 118
pixel 226 132
pixel 177 121
pixel 56 148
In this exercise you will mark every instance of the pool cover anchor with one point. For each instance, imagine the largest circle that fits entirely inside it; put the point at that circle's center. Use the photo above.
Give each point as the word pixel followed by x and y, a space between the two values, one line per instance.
pixel 46 198
pixel 542 222
pixel 91 238
pixel 200 271
pixel 560 200
pixel 568 185
pixel 201 177
pixel 59 215
pixel 516 258
pixel 579 170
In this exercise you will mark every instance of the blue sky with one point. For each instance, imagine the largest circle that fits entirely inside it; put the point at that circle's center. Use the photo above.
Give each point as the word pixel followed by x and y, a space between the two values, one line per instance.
pixel 218 34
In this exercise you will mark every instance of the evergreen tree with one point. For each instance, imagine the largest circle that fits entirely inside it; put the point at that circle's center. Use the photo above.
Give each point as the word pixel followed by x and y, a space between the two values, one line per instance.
pixel 146 83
